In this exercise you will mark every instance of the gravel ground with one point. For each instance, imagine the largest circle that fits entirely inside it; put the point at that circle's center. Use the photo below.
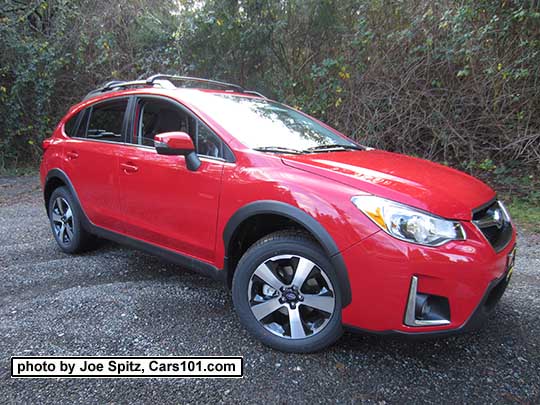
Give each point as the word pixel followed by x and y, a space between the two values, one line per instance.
pixel 117 301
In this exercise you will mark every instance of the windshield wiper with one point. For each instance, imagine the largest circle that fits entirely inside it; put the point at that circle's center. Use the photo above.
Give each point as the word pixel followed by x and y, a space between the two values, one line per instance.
pixel 278 149
pixel 331 147
pixel 314 149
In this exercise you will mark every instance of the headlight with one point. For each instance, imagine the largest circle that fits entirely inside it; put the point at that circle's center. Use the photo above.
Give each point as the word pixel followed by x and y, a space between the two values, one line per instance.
pixel 407 223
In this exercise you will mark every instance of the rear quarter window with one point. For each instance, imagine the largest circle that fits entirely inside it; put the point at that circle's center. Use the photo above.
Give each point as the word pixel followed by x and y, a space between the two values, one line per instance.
pixel 76 126
pixel 70 127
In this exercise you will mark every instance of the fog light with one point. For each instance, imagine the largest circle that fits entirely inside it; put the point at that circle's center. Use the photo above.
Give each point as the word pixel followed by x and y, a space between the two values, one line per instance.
pixel 425 309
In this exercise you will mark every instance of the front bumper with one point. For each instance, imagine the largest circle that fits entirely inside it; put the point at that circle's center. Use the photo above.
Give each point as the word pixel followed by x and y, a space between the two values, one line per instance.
pixel 470 274
pixel 485 307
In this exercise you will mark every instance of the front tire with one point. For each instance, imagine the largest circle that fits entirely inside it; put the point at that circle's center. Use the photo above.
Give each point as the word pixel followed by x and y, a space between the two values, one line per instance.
pixel 286 293
pixel 65 219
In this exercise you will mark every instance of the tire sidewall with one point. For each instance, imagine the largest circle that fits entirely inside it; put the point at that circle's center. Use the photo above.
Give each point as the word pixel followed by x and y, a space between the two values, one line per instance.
pixel 247 265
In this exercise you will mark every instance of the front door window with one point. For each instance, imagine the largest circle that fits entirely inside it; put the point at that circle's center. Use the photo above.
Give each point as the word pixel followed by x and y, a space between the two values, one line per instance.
pixel 156 116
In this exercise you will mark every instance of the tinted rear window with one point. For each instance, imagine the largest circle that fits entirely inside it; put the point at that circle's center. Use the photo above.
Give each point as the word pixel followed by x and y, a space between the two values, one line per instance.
pixel 106 121
pixel 70 127
pixel 83 124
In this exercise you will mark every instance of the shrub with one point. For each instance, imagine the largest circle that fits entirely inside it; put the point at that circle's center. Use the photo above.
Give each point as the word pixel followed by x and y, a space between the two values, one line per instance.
pixel 457 82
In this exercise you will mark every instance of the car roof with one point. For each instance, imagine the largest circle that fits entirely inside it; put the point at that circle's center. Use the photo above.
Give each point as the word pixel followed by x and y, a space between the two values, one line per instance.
pixel 178 94
pixel 162 85
pixel 167 82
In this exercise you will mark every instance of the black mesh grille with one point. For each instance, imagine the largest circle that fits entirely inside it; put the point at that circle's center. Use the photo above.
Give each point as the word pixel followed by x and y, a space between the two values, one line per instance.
pixel 494 223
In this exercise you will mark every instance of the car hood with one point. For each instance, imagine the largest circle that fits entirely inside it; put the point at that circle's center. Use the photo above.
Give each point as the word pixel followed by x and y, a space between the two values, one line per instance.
pixel 416 182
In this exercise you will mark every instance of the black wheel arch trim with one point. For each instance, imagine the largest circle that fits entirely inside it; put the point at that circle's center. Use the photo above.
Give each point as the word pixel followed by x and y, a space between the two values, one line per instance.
pixel 62 176
pixel 302 218
pixel 191 263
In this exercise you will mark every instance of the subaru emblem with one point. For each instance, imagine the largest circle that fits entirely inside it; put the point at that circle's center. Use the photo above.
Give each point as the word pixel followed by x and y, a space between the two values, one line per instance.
pixel 498 218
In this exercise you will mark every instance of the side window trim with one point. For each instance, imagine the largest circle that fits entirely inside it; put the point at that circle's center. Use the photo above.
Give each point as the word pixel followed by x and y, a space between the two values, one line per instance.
pixel 90 110
pixel 127 125
pixel 80 116
pixel 191 114
pixel 139 123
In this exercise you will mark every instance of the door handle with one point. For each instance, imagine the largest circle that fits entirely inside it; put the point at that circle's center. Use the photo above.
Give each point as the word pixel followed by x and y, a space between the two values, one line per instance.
pixel 72 155
pixel 129 168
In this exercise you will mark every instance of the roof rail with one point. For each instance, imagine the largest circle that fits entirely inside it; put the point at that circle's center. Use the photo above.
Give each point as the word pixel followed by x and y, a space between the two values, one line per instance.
pixel 255 93
pixel 164 81
pixel 115 85
pixel 236 87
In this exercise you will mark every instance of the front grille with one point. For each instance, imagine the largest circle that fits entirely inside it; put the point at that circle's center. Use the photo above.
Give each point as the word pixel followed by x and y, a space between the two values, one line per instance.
pixel 493 221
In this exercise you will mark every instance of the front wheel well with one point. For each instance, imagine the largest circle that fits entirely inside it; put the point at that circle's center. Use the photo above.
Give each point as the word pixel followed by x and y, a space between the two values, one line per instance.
pixel 251 230
pixel 52 184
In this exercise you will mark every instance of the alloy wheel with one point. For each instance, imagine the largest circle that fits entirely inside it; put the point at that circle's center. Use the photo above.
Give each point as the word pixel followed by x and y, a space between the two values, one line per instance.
pixel 291 296
pixel 62 220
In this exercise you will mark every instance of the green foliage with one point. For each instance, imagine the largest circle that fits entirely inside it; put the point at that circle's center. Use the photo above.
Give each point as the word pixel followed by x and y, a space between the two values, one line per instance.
pixel 526 212
pixel 519 189
pixel 457 82
pixel 55 51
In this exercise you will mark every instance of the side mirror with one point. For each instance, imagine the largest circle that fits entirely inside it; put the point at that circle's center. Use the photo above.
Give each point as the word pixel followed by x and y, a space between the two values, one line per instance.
pixel 177 143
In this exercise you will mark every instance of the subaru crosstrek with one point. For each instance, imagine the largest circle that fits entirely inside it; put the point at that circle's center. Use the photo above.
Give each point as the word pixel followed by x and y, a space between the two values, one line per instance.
pixel 312 231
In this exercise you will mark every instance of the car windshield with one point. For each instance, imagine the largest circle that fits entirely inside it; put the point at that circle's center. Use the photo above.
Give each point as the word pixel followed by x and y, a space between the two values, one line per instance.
pixel 268 126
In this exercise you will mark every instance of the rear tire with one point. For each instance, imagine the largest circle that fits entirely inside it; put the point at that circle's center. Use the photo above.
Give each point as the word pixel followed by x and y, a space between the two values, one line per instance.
pixel 286 293
pixel 65 218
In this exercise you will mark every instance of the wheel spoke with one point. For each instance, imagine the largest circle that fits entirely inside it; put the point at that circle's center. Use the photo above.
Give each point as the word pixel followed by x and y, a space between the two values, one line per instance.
pixel 69 232
pixel 302 272
pixel 68 213
pixel 321 302
pixel 295 321
pixel 61 232
pixel 59 205
pixel 266 308
pixel 56 217
pixel 264 273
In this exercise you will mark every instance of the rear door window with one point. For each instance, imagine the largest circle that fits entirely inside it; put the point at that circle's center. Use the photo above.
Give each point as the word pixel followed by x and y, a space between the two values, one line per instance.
pixel 106 121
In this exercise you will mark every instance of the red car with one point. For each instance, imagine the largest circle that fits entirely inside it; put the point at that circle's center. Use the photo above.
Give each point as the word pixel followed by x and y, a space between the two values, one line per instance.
pixel 311 231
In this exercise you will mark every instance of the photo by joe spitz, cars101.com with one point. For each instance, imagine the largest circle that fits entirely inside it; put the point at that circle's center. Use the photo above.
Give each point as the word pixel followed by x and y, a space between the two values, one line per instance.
pixel 313 232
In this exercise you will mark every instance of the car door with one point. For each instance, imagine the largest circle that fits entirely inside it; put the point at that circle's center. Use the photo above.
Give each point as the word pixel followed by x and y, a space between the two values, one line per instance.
pixel 165 203
pixel 91 160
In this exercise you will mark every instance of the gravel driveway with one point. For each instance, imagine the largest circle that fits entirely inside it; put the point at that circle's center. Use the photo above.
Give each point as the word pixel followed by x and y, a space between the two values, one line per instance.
pixel 117 301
